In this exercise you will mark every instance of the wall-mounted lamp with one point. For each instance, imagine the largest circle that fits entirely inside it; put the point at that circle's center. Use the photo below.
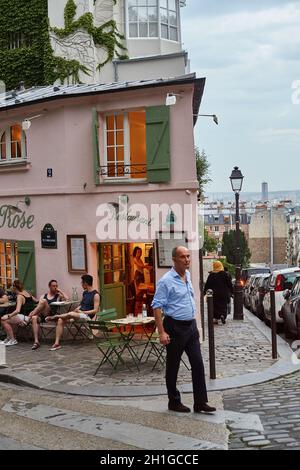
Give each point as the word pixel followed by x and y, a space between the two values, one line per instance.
pixel 15 209
pixel 26 124
pixel 215 118
pixel 171 99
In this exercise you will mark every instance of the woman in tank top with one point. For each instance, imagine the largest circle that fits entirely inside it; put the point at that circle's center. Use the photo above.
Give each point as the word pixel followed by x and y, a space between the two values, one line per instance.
pixel 20 315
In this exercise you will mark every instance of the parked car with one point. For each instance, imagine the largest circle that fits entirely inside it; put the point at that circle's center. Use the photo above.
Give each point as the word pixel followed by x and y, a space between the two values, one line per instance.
pixel 248 290
pixel 259 291
pixel 281 281
pixel 246 273
pixel 290 311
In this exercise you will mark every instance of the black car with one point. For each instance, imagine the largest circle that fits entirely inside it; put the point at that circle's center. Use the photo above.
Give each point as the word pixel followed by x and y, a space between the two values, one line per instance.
pixel 290 311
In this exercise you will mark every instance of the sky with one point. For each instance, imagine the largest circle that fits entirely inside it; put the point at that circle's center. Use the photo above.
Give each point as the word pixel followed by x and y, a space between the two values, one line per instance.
pixel 249 52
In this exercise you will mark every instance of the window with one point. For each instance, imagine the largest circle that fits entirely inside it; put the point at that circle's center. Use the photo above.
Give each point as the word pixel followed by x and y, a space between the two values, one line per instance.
pixel 125 145
pixel 12 144
pixel 16 40
pixel 153 18
pixel 8 263
pixel 143 18
pixel 169 19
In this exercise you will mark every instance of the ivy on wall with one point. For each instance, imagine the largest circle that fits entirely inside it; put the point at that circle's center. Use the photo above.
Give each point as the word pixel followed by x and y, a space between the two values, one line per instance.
pixel 28 20
pixel 25 26
pixel 106 36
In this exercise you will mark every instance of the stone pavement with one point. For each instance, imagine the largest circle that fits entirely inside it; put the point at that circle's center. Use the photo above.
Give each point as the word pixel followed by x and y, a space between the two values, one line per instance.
pixel 277 404
pixel 243 354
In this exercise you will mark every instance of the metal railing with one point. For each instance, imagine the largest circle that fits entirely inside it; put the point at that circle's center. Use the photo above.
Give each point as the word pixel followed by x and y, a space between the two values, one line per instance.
pixel 121 170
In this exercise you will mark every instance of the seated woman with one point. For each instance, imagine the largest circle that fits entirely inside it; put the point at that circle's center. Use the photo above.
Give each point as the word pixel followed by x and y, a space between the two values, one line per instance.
pixel 24 302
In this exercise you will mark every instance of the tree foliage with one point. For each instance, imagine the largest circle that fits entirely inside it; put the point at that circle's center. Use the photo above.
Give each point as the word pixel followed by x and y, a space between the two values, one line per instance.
pixel 202 167
pixel 210 243
pixel 229 248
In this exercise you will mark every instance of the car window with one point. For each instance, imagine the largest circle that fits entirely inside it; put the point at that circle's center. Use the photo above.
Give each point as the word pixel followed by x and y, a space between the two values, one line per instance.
pixel 289 278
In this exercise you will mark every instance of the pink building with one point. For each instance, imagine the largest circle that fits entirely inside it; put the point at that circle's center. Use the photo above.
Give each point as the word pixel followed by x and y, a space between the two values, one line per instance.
pixel 92 154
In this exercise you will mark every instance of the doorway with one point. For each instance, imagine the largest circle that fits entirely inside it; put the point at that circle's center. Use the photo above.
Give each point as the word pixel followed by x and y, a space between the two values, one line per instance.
pixel 127 277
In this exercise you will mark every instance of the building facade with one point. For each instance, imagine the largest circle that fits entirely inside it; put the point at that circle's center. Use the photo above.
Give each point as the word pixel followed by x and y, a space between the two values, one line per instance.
pixel 89 159
pixel 149 45
pixel 268 233
pixel 89 41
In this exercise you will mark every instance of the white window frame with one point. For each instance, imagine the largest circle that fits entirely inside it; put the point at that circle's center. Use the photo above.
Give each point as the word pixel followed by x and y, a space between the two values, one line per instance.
pixel 126 145
pixel 128 37
pixel 9 160
pixel 12 265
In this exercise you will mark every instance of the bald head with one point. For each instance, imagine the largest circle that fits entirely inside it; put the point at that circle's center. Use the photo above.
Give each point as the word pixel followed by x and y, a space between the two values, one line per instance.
pixel 181 259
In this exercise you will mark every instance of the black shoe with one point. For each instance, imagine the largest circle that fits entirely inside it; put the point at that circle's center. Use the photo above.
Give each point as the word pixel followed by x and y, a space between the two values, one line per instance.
pixel 223 320
pixel 179 407
pixel 204 408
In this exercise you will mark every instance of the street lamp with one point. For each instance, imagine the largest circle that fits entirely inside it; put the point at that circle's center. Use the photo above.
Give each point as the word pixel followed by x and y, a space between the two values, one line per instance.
pixel 236 180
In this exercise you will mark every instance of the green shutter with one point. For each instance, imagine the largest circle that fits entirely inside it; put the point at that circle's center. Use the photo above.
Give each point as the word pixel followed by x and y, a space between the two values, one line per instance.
pixel 158 144
pixel 96 152
pixel 26 265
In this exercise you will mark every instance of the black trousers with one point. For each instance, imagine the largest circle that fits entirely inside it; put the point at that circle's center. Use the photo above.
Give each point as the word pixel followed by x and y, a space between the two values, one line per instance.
pixel 184 337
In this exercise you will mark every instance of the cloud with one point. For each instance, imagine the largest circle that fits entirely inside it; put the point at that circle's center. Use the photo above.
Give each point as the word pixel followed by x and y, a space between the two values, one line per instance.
pixel 280 133
pixel 249 52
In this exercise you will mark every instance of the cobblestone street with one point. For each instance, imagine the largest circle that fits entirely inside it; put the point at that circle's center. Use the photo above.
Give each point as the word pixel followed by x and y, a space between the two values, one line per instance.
pixel 240 348
pixel 278 405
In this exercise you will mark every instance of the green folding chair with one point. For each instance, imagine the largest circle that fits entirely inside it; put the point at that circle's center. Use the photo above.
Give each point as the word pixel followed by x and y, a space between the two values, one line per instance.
pixel 111 345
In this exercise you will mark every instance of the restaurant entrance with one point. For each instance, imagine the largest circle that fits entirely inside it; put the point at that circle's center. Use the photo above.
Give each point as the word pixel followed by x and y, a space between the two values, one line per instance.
pixel 127 277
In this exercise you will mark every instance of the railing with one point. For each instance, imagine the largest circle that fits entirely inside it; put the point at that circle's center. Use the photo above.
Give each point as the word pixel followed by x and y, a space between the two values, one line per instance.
pixel 120 170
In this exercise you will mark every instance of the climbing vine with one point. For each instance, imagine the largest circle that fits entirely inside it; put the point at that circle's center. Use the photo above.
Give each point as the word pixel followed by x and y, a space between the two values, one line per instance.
pixel 26 53
pixel 106 36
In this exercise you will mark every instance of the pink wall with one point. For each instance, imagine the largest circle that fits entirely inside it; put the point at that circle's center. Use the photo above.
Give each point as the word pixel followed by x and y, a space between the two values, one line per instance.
pixel 62 140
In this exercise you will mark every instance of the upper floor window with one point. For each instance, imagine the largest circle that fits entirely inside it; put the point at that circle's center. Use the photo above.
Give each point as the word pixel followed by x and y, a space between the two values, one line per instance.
pixel 12 144
pixel 169 19
pixel 153 19
pixel 143 18
pixel 125 145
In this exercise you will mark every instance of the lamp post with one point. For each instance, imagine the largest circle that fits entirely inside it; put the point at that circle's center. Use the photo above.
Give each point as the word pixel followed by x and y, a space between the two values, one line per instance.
pixel 236 180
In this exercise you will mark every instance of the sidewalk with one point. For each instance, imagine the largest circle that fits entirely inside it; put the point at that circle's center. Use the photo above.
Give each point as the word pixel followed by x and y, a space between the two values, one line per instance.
pixel 243 357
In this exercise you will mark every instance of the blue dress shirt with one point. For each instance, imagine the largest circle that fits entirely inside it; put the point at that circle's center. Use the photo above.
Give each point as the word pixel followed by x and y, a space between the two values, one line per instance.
pixel 175 297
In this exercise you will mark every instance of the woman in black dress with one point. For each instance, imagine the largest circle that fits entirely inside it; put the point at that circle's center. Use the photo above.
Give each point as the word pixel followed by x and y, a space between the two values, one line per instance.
pixel 219 282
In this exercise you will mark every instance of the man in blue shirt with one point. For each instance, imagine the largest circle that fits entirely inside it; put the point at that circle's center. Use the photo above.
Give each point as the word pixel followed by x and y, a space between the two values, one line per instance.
pixel 178 331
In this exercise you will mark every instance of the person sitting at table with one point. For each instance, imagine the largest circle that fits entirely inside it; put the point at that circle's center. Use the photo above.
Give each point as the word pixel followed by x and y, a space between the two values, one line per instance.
pixel 3 296
pixel 18 317
pixel 87 310
pixel 44 309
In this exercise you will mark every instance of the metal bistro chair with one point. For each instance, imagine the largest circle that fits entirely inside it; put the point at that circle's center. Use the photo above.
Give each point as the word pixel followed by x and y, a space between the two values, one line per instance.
pixel 111 345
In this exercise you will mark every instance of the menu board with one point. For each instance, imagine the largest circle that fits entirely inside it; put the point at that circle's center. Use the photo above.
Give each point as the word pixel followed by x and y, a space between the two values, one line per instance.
pixel 77 258
pixel 165 243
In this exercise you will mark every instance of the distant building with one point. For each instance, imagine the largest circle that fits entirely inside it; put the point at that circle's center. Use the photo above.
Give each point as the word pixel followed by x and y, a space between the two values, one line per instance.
pixel 293 242
pixel 264 192
pixel 268 233
pixel 220 218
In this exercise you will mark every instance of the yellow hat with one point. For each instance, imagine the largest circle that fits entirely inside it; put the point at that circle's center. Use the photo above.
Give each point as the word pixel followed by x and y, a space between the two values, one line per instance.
pixel 217 266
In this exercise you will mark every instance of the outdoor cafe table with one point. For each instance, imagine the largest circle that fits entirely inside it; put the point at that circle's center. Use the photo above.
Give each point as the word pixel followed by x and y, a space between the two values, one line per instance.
pixel 127 327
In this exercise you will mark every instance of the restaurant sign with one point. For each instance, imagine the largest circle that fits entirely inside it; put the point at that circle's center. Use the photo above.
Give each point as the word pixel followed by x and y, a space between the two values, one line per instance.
pixel 13 217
